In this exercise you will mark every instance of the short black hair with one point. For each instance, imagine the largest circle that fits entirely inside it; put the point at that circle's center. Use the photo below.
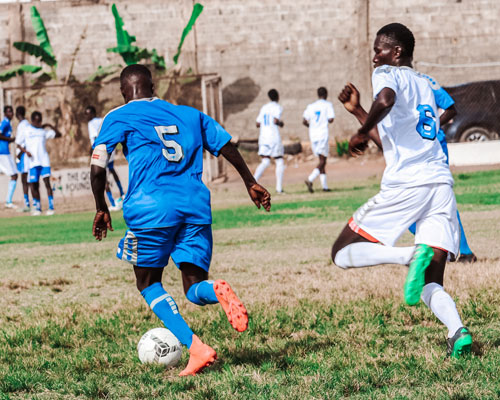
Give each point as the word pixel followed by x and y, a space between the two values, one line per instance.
pixel 36 115
pixel 21 110
pixel 91 109
pixel 7 108
pixel 135 70
pixel 273 95
pixel 400 34
pixel 322 92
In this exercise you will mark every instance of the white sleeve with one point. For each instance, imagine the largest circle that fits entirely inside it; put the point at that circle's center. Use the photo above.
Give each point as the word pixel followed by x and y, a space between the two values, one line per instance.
pixel 307 115
pixel 50 134
pixel 260 118
pixel 329 111
pixel 384 77
pixel 20 137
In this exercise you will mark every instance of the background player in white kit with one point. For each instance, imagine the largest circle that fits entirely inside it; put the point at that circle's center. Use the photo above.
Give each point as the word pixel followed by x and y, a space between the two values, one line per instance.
pixel 317 116
pixel 35 137
pixel 22 156
pixel 270 145
pixel 417 184
pixel 94 125
pixel 7 165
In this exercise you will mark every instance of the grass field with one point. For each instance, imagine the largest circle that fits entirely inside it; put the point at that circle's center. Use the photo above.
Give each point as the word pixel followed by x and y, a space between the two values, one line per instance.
pixel 71 316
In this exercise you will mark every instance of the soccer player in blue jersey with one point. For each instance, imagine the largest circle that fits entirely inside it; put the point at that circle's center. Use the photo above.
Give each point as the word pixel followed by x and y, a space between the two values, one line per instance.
pixel 7 165
pixel 167 206
pixel 445 102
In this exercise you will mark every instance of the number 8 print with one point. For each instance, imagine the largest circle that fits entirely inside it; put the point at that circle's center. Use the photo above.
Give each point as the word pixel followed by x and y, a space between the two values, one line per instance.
pixel 177 155
pixel 426 125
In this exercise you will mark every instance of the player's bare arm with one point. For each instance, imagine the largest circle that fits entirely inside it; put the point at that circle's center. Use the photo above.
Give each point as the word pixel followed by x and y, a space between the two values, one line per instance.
pixel 279 122
pixel 7 139
pixel 349 97
pixel 447 115
pixel 102 219
pixel 50 126
pixel 259 195
pixel 306 122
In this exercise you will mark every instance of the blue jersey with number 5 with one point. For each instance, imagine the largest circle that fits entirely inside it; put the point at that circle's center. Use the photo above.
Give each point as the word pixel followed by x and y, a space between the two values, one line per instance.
pixel 163 145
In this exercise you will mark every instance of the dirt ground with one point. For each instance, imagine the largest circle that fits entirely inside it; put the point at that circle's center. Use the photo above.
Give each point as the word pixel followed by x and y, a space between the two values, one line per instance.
pixel 341 172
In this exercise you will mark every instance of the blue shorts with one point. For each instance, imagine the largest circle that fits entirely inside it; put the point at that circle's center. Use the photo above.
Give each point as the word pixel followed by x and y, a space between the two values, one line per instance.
pixel 37 172
pixel 22 166
pixel 185 243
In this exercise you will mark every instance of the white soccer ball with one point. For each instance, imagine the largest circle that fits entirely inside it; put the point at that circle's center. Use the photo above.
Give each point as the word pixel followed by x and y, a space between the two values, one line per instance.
pixel 159 345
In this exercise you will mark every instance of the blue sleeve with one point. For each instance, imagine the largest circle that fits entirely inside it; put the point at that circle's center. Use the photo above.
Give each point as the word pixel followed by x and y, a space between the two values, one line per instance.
pixel 4 127
pixel 443 99
pixel 112 132
pixel 213 134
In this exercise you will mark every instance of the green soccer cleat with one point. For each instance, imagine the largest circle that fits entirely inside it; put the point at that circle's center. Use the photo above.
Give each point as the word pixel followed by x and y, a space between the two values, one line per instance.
pixel 460 343
pixel 415 280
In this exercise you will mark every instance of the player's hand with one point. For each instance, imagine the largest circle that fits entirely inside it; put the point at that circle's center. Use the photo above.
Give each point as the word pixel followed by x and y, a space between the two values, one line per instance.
pixel 260 196
pixel 102 222
pixel 349 97
pixel 28 154
pixel 358 144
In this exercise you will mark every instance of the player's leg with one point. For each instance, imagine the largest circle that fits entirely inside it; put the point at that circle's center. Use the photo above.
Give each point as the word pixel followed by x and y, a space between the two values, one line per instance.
pixel 280 170
pixel 443 306
pixel 33 179
pixel 10 192
pixel 192 254
pixel 322 173
pixel 50 194
pixel 24 180
pixel 315 172
pixel 264 163
pixel 466 254
pixel 116 178
pixel 149 251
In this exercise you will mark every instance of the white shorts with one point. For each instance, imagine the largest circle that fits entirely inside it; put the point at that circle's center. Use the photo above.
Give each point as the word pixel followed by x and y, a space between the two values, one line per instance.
pixel 390 213
pixel 320 147
pixel 272 150
pixel 7 165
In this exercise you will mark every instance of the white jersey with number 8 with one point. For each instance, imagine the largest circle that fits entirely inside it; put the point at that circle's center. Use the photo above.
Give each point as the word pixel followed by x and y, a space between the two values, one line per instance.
pixel 408 133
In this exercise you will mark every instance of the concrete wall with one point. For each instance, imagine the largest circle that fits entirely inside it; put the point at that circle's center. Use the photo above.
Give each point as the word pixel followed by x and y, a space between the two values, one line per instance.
pixel 294 46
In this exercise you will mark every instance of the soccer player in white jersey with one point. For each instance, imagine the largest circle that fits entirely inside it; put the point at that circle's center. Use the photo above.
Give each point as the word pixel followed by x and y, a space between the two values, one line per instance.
pixel 94 124
pixel 270 145
pixel 7 165
pixel 417 184
pixel 317 116
pixel 35 137
pixel 22 156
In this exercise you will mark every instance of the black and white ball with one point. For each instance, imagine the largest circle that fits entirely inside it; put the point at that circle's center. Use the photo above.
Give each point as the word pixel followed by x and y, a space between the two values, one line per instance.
pixel 160 346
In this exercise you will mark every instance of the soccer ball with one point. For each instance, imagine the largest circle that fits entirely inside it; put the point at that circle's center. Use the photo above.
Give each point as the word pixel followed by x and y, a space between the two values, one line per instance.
pixel 159 345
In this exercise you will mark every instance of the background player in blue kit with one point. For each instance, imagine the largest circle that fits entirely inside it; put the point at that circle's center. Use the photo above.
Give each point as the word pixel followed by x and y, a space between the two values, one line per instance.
pixel 7 165
pixel 167 206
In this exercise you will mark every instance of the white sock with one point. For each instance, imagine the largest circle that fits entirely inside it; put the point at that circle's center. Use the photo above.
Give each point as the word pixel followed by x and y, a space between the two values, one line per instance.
pixel 261 168
pixel 443 306
pixel 363 254
pixel 313 175
pixel 280 169
pixel 322 179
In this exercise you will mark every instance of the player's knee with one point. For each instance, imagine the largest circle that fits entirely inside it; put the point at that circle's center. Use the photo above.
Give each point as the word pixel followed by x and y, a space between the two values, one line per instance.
pixel 266 161
pixel 429 290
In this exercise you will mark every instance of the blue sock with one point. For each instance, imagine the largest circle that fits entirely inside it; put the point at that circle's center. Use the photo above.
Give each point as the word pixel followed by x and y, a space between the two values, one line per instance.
pixel 464 246
pixel 27 201
pixel 10 193
pixel 413 228
pixel 37 205
pixel 51 202
pixel 163 305
pixel 110 198
pixel 202 293
pixel 119 184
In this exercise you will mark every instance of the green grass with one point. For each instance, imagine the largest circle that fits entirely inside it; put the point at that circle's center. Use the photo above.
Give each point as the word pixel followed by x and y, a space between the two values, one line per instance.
pixel 71 316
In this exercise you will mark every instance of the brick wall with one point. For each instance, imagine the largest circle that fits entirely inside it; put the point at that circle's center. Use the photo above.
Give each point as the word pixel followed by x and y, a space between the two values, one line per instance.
pixel 294 46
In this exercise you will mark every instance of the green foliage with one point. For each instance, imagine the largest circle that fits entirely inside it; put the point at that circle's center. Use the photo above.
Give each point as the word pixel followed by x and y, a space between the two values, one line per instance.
pixel 103 72
pixel 41 33
pixel 18 70
pixel 37 51
pixel 197 9
pixel 342 147
pixel 130 53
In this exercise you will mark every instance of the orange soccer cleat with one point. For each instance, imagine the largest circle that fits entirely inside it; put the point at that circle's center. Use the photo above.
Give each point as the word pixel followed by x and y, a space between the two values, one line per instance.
pixel 200 356
pixel 233 307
